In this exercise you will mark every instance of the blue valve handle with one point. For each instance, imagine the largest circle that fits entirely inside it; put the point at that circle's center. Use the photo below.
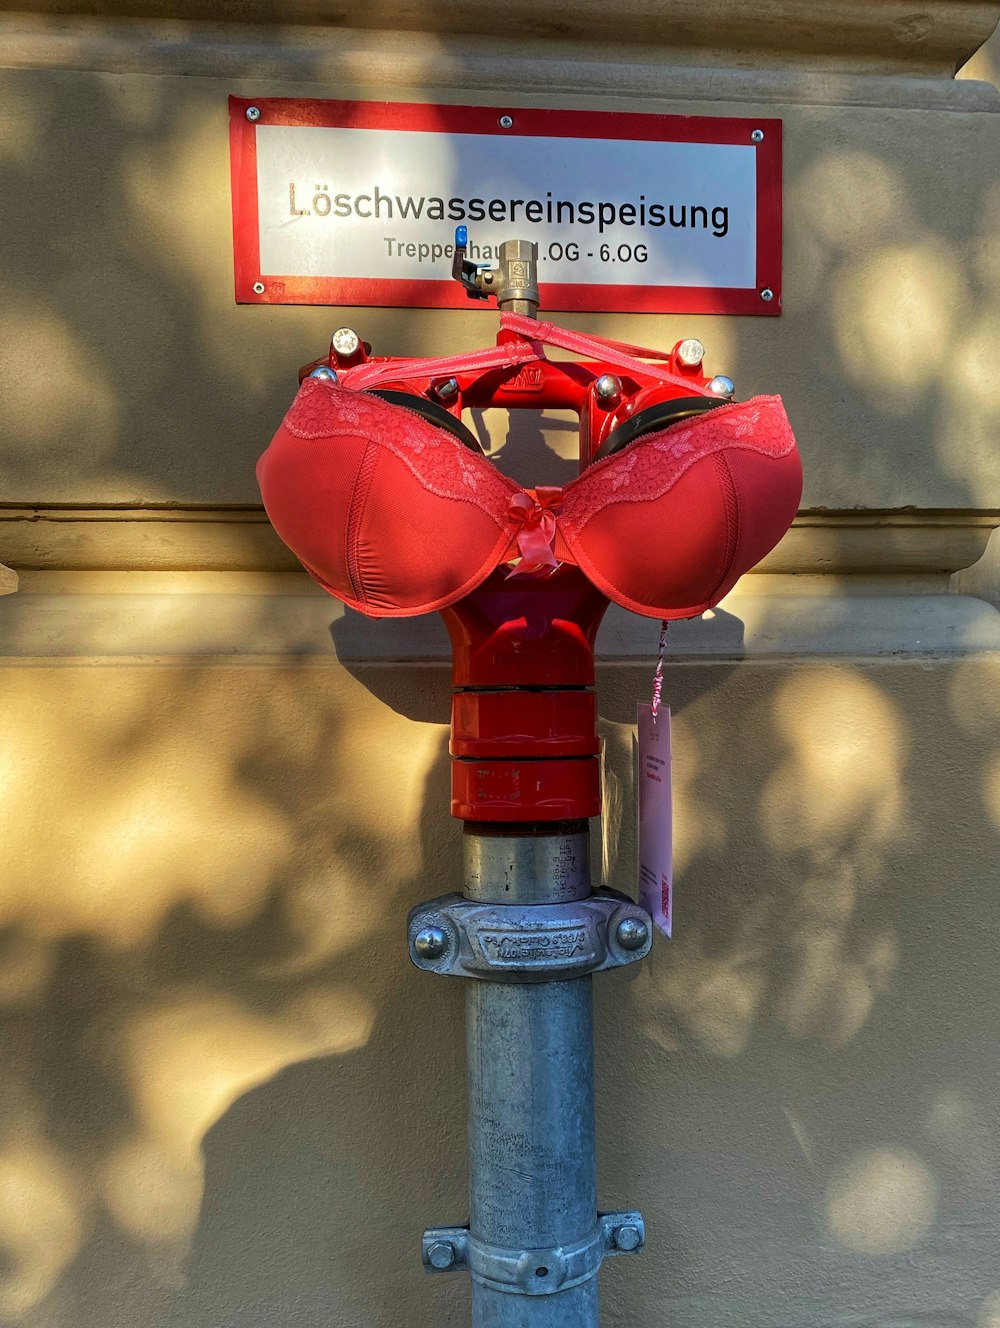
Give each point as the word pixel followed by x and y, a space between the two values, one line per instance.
pixel 464 270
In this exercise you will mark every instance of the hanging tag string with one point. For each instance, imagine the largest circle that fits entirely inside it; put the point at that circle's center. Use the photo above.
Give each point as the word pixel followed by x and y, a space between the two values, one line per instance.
pixel 658 675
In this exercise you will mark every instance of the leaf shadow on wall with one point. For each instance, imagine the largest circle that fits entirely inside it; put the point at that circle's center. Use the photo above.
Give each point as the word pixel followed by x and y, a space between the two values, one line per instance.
pixel 787 1062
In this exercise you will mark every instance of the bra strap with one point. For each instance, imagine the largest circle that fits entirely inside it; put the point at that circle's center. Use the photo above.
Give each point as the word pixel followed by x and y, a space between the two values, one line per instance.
pixel 507 354
pixel 504 356
pixel 621 353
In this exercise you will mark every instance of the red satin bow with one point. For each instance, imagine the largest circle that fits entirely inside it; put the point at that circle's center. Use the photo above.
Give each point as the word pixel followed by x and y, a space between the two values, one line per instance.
pixel 536 538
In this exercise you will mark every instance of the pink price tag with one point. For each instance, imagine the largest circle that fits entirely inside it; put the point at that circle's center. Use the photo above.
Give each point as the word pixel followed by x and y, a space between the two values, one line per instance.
pixel 656 855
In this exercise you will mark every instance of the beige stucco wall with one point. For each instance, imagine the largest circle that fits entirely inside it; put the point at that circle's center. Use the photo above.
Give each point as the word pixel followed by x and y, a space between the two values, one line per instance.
pixel 225 1096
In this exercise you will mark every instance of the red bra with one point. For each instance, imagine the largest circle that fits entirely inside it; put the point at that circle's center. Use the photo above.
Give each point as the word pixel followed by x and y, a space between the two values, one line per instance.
pixel 396 516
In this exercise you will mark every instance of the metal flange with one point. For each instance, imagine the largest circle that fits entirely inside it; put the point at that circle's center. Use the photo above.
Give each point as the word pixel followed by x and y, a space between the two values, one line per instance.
pixel 457 937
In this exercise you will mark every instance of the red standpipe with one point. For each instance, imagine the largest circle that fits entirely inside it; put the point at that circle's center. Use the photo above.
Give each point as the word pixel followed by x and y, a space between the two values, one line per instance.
pixel 524 742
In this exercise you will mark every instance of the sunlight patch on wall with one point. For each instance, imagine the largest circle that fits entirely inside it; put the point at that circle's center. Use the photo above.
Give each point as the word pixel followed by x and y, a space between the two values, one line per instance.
pixel 889 309
pixel 218 844
pixel 851 200
pixel 41 1224
pixel 390 758
pixel 989 1311
pixel 699 825
pixel 832 979
pixel 105 841
pixel 142 812
pixel 842 780
pixel 837 800
pixel 187 1060
pixel 964 1135
pixel 882 1201
pixel 716 998
pixel 326 909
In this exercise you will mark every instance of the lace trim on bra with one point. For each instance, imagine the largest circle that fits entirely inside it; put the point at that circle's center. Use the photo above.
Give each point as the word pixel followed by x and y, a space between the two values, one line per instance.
pixel 440 464
pixel 653 464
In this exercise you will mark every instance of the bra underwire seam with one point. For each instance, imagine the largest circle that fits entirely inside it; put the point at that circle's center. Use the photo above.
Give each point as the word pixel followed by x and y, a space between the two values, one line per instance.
pixel 731 502
pixel 359 497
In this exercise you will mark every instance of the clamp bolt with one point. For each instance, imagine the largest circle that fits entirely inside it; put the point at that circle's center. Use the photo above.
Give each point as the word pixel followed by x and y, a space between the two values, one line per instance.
pixel 253 113
pixel 441 1255
pixel 627 1239
pixel 430 943
pixel 632 935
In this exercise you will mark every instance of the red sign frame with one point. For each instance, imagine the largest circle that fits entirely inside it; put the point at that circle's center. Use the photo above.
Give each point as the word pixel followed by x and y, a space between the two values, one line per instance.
pixel 531 122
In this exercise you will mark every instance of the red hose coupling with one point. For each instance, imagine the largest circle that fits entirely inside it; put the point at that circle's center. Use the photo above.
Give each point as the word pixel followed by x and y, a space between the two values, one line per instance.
pixel 524 713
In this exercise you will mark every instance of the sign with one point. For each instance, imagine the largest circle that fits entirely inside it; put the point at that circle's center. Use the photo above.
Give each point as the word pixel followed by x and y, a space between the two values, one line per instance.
pixel 656 828
pixel 356 203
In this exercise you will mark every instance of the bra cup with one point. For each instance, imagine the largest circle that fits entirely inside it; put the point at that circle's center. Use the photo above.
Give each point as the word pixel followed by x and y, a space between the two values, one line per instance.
pixel 661 558
pixel 303 491
pixel 768 492
pixel 396 517
pixel 667 527
pixel 387 512
pixel 420 552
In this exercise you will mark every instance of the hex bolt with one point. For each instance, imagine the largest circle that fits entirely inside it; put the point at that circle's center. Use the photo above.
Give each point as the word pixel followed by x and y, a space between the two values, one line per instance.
pixel 506 122
pixel 430 943
pixel 345 341
pixel 253 113
pixel 608 390
pixel 632 935
pixel 446 390
pixel 627 1239
pixel 758 135
pixel 767 294
pixel 691 352
pixel 258 288
pixel 441 1255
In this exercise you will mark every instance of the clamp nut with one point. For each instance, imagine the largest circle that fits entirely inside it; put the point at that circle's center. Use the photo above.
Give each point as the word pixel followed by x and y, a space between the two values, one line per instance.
pixel 632 935
pixel 627 1239
pixel 430 943
pixel 441 1255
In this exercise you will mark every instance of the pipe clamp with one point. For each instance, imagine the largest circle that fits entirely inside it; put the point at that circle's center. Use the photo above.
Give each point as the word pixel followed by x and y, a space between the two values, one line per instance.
pixel 533 1272
pixel 528 942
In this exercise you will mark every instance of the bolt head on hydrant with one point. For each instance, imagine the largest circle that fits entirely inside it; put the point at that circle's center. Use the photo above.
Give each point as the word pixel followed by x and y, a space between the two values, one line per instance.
pixel 632 934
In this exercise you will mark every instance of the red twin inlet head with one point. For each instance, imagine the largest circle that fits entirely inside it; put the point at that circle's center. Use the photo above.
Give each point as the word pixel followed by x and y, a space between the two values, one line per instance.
pixel 387 499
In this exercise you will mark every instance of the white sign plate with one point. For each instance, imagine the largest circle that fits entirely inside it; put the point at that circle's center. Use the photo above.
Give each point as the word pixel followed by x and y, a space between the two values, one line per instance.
pixel 357 203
